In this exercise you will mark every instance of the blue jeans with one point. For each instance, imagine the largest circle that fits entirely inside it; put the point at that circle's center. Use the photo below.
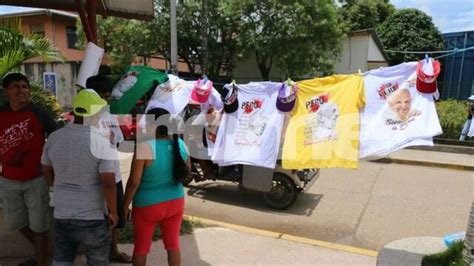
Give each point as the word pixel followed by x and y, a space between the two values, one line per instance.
pixel 94 235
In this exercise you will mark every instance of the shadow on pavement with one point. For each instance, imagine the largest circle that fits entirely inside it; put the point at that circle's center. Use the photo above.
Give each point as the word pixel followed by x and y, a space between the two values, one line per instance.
pixel 228 194
pixel 189 253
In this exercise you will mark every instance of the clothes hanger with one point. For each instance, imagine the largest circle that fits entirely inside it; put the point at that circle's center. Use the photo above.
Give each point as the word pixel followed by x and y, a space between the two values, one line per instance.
pixel 290 83
pixel 204 80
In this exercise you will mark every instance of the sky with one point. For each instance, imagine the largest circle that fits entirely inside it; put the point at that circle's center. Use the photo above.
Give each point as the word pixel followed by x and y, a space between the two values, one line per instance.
pixel 448 15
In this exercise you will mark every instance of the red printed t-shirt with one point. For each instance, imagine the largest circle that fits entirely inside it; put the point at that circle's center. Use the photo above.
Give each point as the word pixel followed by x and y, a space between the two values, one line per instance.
pixel 22 136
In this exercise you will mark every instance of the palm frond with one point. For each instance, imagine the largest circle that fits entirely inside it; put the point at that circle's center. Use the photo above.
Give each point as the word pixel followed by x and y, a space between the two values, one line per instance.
pixel 12 50
pixel 15 48
pixel 42 47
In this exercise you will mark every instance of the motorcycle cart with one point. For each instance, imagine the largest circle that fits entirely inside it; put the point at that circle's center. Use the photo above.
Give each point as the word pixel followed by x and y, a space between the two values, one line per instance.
pixel 279 187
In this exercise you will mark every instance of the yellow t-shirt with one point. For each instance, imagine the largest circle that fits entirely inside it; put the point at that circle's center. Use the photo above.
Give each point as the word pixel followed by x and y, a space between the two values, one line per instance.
pixel 324 127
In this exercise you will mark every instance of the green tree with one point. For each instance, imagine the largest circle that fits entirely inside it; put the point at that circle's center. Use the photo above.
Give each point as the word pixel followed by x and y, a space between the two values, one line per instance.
pixel 300 37
pixel 223 26
pixel 122 40
pixel 188 28
pixel 15 48
pixel 363 14
pixel 409 30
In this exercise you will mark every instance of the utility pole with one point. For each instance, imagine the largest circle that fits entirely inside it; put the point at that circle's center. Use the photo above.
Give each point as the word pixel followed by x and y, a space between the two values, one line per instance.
pixel 204 29
pixel 174 39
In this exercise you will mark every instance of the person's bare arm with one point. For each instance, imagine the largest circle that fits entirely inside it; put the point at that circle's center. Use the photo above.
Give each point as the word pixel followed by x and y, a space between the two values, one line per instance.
pixel 48 173
pixel 188 163
pixel 109 190
pixel 138 165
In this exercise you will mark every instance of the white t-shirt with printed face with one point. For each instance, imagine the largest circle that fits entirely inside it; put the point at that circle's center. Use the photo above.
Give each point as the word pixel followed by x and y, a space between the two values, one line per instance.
pixel 251 135
pixel 395 114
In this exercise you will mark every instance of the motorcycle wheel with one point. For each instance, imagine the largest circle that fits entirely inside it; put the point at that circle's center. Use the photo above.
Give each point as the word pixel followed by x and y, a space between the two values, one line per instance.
pixel 283 193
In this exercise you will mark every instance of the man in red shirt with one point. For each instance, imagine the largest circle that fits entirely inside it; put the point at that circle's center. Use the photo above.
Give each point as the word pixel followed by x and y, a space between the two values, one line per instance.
pixel 23 189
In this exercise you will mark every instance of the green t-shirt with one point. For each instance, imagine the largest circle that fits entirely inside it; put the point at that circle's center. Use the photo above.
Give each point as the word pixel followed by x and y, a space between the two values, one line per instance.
pixel 132 86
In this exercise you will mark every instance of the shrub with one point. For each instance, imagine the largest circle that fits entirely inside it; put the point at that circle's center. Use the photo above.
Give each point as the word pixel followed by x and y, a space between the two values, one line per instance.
pixel 41 98
pixel 451 256
pixel 452 116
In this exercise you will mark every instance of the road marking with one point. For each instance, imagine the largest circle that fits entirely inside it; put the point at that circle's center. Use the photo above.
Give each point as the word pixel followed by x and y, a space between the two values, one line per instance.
pixel 303 240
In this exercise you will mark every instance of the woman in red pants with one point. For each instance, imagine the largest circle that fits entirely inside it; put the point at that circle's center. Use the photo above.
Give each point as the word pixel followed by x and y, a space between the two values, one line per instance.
pixel 155 187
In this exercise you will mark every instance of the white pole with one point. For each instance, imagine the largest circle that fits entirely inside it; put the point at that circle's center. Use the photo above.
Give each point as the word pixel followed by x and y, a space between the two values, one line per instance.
pixel 174 39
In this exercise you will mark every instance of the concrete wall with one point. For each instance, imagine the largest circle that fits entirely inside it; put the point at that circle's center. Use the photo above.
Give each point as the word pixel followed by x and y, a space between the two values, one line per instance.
pixel 374 53
pixel 354 55
pixel 359 51
pixel 66 76
pixel 247 70
pixel 161 64
pixel 55 30
pixel 375 57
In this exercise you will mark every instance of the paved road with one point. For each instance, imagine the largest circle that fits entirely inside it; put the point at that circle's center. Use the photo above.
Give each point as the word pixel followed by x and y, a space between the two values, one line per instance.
pixel 367 208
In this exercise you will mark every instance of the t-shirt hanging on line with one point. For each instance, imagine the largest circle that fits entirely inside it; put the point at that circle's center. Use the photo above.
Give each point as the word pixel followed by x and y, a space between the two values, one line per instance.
pixel 324 127
pixel 414 142
pixel 202 121
pixel 172 95
pixel 212 111
pixel 132 86
pixel 395 113
pixel 251 135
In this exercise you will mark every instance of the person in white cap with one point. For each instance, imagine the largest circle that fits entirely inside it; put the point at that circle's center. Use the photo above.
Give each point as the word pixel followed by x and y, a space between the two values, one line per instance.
pixel 467 125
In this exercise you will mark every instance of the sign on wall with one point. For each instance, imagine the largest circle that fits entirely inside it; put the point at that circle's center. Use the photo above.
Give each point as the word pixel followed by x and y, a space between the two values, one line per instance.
pixel 50 82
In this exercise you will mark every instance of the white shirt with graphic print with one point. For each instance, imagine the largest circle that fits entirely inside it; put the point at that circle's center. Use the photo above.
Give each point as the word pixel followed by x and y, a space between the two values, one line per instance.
pixel 173 95
pixel 251 135
pixel 395 114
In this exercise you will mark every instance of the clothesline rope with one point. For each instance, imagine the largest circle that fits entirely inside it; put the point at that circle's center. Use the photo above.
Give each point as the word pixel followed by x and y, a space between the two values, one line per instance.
pixel 445 52
pixel 421 52
pixel 455 52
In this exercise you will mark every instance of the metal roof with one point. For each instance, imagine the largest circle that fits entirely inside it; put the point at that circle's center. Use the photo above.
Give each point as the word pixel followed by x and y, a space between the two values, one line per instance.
pixel 131 9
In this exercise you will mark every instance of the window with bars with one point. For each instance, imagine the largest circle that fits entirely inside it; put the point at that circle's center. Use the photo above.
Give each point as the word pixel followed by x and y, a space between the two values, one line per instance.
pixel 71 36
pixel 37 29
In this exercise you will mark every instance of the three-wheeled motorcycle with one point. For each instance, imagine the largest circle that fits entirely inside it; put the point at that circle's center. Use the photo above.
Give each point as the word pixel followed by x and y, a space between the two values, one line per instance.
pixel 279 187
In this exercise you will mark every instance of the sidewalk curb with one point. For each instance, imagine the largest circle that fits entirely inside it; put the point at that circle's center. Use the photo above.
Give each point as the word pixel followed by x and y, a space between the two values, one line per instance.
pixel 425 163
pixel 297 239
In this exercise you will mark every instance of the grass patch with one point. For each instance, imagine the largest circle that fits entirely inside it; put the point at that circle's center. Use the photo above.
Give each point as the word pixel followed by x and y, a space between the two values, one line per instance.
pixel 452 257
pixel 125 235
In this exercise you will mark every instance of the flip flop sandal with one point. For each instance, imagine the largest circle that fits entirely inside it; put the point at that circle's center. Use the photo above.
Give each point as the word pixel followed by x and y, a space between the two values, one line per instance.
pixel 121 258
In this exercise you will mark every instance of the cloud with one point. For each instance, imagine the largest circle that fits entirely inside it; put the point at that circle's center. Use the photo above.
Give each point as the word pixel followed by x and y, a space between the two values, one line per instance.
pixel 448 16
pixel 463 21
